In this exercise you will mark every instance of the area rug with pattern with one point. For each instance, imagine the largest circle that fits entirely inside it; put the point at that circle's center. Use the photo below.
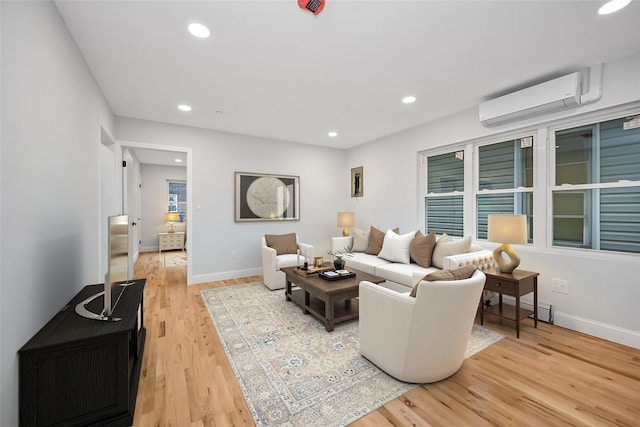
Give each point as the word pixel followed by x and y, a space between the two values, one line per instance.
pixel 291 370
pixel 175 259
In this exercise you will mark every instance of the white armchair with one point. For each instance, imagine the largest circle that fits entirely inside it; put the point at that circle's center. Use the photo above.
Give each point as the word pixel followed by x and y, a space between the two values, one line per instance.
pixel 272 263
pixel 421 339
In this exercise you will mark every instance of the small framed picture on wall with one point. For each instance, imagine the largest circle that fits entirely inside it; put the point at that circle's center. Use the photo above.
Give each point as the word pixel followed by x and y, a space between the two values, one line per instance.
pixel 357 182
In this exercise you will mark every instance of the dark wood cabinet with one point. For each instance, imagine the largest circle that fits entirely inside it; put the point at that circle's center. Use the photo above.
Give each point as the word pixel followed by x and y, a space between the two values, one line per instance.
pixel 83 372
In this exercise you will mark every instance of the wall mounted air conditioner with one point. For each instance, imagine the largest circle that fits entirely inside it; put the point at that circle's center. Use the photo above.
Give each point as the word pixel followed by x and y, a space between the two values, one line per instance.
pixel 545 98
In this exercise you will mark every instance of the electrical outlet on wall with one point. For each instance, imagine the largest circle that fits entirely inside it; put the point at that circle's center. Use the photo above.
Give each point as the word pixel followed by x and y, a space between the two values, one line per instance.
pixel 234 254
pixel 560 285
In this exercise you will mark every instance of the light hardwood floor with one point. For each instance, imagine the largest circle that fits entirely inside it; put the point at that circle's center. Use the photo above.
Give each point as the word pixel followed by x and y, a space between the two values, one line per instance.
pixel 550 376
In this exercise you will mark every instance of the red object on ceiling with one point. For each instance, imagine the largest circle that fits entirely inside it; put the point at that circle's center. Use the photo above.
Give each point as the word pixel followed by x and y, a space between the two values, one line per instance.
pixel 313 6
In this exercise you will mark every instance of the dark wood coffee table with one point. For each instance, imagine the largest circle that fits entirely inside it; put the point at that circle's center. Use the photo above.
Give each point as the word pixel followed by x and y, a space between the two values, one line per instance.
pixel 330 301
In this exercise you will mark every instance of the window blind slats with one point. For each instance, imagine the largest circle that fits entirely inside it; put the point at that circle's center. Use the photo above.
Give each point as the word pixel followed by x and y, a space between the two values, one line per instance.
pixel 620 219
pixel 614 156
pixel 444 215
pixel 445 174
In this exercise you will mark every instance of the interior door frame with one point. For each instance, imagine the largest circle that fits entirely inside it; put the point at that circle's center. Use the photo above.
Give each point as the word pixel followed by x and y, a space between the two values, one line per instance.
pixel 123 144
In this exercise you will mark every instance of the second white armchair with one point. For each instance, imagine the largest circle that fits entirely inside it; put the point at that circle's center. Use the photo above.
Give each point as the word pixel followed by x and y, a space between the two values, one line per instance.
pixel 419 339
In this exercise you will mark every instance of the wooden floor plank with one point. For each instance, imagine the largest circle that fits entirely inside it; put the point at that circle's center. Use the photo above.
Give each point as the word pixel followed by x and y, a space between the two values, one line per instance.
pixel 550 376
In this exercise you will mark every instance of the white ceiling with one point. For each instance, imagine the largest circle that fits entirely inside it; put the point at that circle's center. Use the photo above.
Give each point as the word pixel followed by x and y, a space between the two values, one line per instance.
pixel 160 157
pixel 273 70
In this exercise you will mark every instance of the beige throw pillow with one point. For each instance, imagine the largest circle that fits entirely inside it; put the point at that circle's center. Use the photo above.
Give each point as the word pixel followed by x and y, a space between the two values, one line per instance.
pixel 360 240
pixel 445 246
pixel 446 275
pixel 422 247
pixel 282 243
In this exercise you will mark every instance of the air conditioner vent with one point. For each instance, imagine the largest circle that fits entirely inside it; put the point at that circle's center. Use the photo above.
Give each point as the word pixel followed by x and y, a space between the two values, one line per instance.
pixel 545 98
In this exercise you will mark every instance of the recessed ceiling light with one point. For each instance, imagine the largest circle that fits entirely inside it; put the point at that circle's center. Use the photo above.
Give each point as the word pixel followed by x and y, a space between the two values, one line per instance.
pixel 333 134
pixel 199 30
pixel 178 160
pixel 612 6
pixel 409 99
pixel 184 107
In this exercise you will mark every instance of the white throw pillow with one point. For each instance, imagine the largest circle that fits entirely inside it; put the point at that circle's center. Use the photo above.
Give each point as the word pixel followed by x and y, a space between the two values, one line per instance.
pixel 445 246
pixel 395 248
pixel 360 240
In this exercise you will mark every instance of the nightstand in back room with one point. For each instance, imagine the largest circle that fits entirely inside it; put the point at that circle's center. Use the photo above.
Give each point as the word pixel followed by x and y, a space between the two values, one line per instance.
pixel 514 284
pixel 167 241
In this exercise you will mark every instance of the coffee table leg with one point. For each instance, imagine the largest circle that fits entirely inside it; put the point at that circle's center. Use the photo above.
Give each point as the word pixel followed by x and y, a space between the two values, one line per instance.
pixel 287 292
pixel 329 314
pixel 306 303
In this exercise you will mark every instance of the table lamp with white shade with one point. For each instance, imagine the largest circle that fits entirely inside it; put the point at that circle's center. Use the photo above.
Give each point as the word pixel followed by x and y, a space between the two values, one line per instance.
pixel 346 220
pixel 507 229
pixel 171 217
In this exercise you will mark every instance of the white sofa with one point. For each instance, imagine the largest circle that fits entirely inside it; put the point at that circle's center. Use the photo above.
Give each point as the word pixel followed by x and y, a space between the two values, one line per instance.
pixel 421 339
pixel 402 277
pixel 272 263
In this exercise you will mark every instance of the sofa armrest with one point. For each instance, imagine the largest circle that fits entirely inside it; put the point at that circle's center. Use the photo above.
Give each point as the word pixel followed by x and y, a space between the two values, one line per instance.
pixel 340 243
pixel 482 260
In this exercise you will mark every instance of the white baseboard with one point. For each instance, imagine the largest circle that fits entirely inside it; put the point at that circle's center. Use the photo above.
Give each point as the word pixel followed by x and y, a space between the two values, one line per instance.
pixel 575 323
pixel 224 275
pixel 598 329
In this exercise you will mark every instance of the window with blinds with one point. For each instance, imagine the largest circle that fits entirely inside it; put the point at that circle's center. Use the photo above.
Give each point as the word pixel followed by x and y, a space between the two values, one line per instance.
pixel 178 199
pixel 596 191
pixel 590 187
pixel 505 182
pixel 445 194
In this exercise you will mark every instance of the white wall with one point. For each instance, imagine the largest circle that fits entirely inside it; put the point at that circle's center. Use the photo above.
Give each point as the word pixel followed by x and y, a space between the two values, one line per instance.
pixel 604 298
pixel 154 202
pixel 52 111
pixel 324 190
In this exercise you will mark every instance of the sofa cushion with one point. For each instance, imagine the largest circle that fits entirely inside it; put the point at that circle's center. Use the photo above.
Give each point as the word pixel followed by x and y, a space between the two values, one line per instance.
pixel 360 240
pixel 395 247
pixel 376 238
pixel 287 260
pixel 282 243
pixel 445 246
pixel 402 273
pixel 364 262
pixel 446 275
pixel 421 249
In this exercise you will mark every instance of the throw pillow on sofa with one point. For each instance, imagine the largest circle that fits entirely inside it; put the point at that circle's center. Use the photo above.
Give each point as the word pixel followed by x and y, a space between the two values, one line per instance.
pixel 282 243
pixel 360 240
pixel 395 248
pixel 445 246
pixel 446 275
pixel 421 249
pixel 376 238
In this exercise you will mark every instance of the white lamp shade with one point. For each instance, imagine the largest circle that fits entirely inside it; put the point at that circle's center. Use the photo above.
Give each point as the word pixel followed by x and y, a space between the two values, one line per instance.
pixel 346 219
pixel 507 229
pixel 171 216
